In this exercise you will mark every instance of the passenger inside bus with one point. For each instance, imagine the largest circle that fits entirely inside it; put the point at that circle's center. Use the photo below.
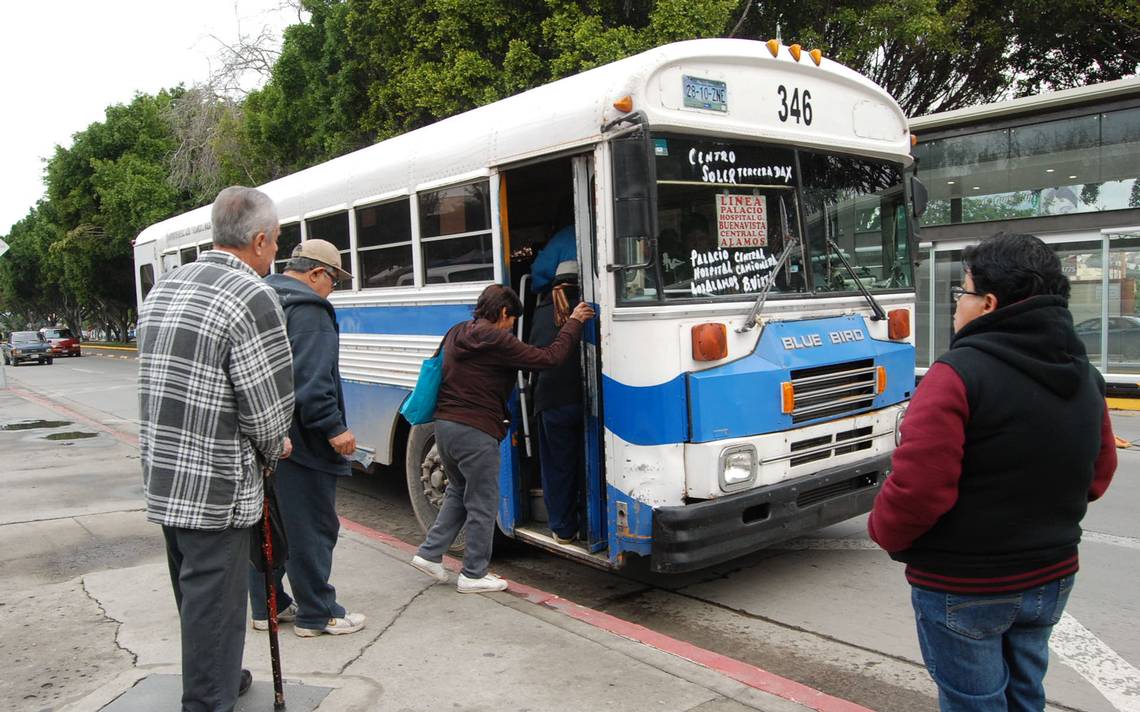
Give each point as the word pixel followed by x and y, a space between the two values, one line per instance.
pixel 558 405
pixel 543 243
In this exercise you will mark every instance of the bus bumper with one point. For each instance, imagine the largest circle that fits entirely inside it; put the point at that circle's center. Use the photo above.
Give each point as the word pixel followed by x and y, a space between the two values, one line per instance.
pixel 694 536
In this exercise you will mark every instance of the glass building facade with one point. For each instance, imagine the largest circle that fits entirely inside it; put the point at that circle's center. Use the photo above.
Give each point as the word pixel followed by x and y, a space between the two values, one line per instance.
pixel 1067 170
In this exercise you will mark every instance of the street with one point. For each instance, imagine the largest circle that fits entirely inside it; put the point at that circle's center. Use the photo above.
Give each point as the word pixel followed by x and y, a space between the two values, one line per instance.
pixel 830 611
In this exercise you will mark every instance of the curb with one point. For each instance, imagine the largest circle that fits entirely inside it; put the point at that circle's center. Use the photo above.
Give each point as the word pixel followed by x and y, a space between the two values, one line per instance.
pixel 742 672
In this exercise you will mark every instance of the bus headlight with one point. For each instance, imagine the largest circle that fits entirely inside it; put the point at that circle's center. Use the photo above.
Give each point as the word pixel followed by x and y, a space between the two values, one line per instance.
pixel 898 426
pixel 737 467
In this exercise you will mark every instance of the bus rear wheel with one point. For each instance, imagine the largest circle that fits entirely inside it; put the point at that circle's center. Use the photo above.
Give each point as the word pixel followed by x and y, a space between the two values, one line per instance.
pixel 427 481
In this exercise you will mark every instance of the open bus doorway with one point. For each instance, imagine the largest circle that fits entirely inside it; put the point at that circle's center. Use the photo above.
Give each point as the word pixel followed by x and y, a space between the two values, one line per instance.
pixel 542 199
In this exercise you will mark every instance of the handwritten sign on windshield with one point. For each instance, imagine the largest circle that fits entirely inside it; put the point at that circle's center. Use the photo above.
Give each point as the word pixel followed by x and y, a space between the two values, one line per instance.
pixel 741 221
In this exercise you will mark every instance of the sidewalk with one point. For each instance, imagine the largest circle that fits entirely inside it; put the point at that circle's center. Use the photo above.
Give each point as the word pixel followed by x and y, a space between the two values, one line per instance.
pixel 74 538
pixel 428 647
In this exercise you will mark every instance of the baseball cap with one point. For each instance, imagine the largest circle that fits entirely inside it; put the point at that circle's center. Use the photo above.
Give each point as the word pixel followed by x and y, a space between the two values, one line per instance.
pixel 567 271
pixel 324 252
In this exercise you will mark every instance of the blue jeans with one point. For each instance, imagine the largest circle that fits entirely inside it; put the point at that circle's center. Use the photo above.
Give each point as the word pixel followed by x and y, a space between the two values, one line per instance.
pixel 989 653
pixel 307 499
pixel 560 457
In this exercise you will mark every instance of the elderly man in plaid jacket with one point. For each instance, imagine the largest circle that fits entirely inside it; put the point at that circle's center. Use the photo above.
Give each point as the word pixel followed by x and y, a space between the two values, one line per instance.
pixel 216 399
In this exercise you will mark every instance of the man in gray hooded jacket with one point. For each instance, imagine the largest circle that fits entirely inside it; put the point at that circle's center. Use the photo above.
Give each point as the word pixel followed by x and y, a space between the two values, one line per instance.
pixel 306 484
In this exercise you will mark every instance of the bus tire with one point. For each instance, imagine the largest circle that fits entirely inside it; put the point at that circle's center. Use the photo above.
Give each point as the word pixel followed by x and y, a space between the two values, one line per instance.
pixel 427 480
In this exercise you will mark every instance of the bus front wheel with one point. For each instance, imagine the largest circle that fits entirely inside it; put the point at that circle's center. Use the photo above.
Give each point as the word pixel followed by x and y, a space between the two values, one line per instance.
pixel 426 480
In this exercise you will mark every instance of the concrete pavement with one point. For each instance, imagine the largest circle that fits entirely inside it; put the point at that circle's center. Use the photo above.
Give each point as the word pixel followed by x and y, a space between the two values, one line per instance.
pixel 87 619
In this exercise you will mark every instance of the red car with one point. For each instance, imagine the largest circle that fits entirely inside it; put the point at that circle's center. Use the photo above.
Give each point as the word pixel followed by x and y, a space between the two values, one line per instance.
pixel 62 342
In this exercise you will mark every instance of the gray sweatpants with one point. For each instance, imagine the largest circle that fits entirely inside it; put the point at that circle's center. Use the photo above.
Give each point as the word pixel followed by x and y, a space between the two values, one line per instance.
pixel 471 460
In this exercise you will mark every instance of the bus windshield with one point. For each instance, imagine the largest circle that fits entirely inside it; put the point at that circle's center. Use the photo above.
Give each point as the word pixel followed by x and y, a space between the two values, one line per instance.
pixel 725 211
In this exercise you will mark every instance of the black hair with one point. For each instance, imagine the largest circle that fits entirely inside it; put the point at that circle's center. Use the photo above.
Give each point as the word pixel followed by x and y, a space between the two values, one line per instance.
pixel 1013 267
pixel 494 299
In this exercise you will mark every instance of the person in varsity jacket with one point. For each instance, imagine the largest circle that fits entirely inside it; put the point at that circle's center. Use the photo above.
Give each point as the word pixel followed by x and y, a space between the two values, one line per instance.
pixel 1006 441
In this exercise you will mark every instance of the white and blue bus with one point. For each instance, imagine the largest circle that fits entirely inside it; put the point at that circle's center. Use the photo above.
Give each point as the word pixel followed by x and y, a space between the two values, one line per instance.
pixel 746 231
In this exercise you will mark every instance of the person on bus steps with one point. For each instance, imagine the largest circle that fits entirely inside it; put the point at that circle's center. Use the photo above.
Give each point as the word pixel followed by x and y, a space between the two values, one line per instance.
pixel 481 359
pixel 305 484
pixel 1006 441
pixel 558 408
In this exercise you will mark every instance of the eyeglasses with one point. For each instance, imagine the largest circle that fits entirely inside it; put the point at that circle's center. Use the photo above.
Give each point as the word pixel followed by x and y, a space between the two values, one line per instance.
pixel 332 276
pixel 957 293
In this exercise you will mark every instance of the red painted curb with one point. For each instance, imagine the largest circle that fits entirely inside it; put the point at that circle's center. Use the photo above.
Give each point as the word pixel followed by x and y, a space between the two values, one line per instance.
pixel 750 675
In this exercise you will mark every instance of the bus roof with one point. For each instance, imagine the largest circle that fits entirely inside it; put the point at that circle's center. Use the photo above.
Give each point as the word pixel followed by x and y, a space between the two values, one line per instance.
pixel 851 114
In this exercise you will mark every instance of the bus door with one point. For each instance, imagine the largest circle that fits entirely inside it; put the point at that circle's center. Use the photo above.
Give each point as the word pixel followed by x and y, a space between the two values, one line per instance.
pixel 586 229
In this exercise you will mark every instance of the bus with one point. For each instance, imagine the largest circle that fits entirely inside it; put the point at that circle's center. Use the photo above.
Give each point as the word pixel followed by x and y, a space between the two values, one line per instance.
pixel 745 220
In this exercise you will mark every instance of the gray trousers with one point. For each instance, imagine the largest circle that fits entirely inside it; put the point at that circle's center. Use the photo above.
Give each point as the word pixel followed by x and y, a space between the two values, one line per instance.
pixel 471 460
pixel 208 569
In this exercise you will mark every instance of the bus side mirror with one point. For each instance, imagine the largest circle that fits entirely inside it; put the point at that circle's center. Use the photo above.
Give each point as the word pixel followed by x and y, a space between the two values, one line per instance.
pixel 634 198
pixel 918 196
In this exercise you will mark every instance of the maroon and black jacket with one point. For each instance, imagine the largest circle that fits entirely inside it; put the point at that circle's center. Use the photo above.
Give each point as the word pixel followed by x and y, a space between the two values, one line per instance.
pixel 480 363
pixel 1006 441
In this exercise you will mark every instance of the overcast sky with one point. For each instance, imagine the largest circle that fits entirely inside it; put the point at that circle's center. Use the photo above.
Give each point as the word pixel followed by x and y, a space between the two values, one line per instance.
pixel 65 61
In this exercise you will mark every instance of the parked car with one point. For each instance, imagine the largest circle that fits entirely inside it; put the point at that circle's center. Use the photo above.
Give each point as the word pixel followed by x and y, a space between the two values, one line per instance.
pixel 62 342
pixel 1123 336
pixel 26 346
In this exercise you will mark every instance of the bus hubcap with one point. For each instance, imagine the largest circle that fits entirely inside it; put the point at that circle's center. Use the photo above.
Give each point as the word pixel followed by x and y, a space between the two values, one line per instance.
pixel 433 477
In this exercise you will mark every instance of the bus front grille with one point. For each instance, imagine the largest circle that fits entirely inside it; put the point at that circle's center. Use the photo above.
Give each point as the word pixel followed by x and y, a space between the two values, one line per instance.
pixel 827 391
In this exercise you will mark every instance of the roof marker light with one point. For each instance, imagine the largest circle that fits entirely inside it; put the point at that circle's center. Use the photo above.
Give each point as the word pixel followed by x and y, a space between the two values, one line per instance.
pixel 914 139
pixel 816 56
pixel 624 104
pixel 795 50
pixel 773 47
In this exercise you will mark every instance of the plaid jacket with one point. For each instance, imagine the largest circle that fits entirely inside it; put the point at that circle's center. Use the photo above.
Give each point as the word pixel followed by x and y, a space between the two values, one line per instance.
pixel 215 393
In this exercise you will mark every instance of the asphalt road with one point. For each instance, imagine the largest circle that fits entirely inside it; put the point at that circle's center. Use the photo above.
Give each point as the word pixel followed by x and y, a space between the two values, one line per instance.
pixel 830 611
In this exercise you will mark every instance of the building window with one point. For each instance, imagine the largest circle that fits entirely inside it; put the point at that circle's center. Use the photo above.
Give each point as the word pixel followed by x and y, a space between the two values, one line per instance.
pixel 332 228
pixel 1074 165
pixel 384 245
pixel 287 241
pixel 455 234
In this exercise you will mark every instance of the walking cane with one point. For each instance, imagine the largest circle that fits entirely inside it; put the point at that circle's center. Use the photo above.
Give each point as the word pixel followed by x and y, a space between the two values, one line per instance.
pixel 271 595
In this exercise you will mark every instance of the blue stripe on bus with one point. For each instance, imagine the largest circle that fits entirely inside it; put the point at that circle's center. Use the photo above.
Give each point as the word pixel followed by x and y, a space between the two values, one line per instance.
pixel 635 533
pixel 646 415
pixel 425 320
pixel 372 411
pixel 742 398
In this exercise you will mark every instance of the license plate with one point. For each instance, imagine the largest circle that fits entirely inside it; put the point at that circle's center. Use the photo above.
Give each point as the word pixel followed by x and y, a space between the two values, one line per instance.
pixel 705 93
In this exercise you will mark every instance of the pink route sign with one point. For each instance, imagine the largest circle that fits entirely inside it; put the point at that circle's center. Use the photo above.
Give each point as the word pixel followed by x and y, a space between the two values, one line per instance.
pixel 741 221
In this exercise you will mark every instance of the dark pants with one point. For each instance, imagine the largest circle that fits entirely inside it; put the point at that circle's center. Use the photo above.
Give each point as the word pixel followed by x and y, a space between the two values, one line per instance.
pixel 208 572
pixel 560 458
pixel 471 460
pixel 989 653
pixel 307 499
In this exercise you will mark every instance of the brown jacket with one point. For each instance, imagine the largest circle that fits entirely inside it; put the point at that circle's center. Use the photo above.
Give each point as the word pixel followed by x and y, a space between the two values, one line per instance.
pixel 480 364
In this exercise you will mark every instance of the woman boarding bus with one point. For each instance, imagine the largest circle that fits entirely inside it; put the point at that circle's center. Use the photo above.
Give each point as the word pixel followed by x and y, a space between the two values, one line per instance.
pixel 746 236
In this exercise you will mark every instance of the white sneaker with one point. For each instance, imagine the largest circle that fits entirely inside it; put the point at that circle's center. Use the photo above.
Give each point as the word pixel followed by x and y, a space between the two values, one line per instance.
pixel 431 568
pixel 285 616
pixel 351 623
pixel 489 582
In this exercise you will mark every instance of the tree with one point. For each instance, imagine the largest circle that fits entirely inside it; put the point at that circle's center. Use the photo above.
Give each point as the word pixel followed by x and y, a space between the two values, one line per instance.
pixel 103 190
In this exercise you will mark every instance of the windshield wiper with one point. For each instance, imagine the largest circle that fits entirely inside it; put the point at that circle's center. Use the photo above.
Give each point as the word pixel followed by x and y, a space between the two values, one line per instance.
pixel 790 243
pixel 879 314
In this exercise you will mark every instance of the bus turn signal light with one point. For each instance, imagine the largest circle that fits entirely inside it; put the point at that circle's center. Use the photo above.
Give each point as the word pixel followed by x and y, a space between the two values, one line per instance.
pixel 710 342
pixel 787 397
pixel 881 380
pixel 624 104
pixel 898 324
